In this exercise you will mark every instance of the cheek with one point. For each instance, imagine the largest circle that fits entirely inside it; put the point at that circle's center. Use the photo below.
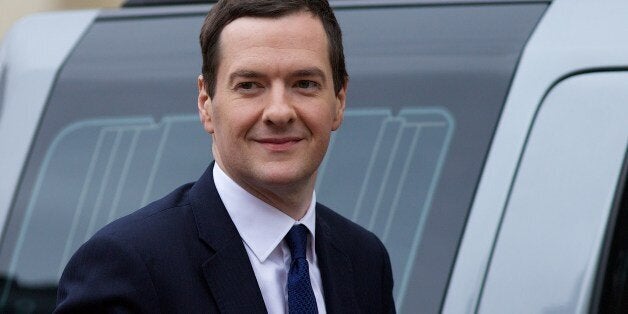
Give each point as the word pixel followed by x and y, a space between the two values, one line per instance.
pixel 320 122
pixel 234 120
pixel 222 136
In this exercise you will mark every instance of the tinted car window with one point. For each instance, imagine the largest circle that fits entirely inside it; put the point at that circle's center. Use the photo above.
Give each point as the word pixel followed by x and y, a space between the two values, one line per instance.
pixel 427 86
pixel 611 295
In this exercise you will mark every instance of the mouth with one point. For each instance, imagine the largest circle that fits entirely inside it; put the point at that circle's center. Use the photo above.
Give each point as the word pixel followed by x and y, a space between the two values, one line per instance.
pixel 278 144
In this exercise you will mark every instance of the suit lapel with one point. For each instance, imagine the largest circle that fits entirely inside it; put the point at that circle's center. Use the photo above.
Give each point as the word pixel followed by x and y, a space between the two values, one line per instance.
pixel 335 266
pixel 228 270
pixel 229 273
pixel 232 281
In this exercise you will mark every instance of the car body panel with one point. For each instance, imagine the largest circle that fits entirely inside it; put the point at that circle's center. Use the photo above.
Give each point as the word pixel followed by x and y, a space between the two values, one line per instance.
pixel 561 45
pixel 553 229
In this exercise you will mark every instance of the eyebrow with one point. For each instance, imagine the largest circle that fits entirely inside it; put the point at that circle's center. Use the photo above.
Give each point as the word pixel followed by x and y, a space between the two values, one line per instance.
pixel 243 74
pixel 309 72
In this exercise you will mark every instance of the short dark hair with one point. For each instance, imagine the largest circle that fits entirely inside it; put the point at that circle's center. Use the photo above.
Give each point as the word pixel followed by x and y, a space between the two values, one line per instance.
pixel 226 11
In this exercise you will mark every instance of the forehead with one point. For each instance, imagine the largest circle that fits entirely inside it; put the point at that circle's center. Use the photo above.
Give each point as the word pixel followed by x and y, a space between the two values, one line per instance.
pixel 298 36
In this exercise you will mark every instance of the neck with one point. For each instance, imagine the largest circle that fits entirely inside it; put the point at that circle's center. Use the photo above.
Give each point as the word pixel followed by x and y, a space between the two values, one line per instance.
pixel 293 201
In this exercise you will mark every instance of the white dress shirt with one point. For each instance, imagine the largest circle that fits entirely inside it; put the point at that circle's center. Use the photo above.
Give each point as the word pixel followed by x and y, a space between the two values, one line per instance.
pixel 262 228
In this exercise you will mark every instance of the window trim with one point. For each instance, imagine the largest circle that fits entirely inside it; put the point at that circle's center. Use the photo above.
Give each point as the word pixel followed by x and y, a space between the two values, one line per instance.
pixel 619 207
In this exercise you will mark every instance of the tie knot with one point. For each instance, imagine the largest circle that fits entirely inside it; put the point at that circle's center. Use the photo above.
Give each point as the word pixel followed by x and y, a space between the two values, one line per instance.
pixel 296 239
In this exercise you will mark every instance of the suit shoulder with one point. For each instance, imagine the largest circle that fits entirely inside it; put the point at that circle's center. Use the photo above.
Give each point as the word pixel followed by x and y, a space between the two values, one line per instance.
pixel 153 220
pixel 347 230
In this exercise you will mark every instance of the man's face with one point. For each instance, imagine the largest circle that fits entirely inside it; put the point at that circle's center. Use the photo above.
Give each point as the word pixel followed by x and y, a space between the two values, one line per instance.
pixel 274 105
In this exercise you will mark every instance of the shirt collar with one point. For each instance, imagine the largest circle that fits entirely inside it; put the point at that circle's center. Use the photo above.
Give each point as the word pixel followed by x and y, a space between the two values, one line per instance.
pixel 261 226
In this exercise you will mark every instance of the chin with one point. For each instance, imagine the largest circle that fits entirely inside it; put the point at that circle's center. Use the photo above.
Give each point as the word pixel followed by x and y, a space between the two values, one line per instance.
pixel 285 176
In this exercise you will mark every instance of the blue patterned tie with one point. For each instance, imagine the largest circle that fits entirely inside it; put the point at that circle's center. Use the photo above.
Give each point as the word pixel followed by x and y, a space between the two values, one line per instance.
pixel 300 295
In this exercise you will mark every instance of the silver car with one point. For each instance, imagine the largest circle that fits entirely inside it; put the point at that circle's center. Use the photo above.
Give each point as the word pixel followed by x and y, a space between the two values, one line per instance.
pixel 485 142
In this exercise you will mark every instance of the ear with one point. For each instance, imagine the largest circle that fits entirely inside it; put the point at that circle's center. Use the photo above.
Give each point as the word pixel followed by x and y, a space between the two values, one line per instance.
pixel 204 106
pixel 340 100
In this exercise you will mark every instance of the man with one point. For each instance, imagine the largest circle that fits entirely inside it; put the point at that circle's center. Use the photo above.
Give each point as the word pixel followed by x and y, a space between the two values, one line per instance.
pixel 248 236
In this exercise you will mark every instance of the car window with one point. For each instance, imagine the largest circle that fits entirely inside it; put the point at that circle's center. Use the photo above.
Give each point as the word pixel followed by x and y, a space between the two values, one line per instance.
pixel 611 293
pixel 120 130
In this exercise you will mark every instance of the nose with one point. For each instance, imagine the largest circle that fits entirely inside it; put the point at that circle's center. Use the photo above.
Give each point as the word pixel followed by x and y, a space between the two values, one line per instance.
pixel 279 111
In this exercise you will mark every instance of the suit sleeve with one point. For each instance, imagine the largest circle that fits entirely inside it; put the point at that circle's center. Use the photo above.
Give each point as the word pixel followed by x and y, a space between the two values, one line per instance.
pixel 387 283
pixel 106 275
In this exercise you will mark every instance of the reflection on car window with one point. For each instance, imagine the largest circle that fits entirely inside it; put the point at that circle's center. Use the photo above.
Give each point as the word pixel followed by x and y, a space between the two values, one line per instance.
pixel 110 167
pixel 390 166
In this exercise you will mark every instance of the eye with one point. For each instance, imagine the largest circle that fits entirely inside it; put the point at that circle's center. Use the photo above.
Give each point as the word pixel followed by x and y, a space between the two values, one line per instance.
pixel 307 84
pixel 247 87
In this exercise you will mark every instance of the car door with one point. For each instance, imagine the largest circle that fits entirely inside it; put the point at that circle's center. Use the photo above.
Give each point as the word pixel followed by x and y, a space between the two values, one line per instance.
pixel 547 251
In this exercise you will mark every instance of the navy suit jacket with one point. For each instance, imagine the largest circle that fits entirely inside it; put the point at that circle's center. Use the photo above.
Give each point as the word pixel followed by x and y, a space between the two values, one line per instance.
pixel 183 254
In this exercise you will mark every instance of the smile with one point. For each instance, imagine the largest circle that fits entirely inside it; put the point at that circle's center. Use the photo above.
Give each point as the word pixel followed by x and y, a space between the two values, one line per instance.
pixel 279 144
